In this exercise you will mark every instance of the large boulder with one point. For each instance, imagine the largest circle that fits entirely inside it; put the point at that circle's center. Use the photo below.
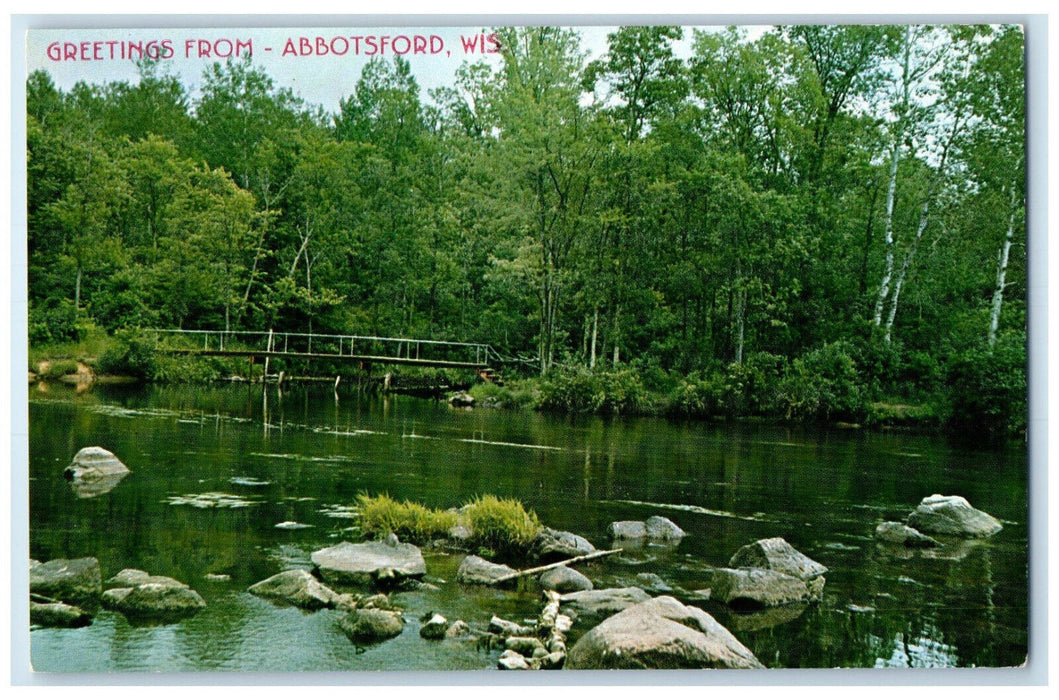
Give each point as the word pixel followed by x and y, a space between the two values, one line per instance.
pixel 94 463
pixel 660 633
pixel 750 589
pixel 473 569
pixel 953 515
pixel 776 554
pixel 371 625
pixel 899 533
pixel 369 563
pixel 154 602
pixel 601 603
pixel 296 587
pixel 555 545
pixel 77 581
pixel 563 579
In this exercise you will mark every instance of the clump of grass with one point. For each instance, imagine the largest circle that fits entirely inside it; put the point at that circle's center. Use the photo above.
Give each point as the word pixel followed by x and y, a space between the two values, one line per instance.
pixel 503 526
pixel 411 522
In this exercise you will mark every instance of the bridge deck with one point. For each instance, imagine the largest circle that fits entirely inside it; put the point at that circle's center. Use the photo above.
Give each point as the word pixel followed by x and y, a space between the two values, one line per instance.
pixel 369 359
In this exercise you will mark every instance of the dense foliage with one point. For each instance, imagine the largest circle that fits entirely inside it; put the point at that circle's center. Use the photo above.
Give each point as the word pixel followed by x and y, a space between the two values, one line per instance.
pixel 796 225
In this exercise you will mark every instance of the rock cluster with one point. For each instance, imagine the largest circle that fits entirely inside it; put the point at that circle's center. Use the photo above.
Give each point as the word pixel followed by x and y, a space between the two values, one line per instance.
pixel 655 528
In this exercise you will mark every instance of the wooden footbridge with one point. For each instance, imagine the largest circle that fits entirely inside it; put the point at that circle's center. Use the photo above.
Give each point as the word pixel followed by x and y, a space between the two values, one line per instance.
pixel 363 351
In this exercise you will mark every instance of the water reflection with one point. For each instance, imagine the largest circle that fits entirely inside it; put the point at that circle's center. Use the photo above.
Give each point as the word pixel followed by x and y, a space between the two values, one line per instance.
pixel 299 456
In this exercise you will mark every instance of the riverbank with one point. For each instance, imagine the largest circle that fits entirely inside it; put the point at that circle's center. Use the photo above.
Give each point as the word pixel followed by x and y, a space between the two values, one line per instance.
pixel 984 397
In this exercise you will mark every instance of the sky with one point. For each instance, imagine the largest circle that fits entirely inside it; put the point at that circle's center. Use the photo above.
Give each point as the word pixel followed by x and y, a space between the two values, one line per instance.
pixel 321 64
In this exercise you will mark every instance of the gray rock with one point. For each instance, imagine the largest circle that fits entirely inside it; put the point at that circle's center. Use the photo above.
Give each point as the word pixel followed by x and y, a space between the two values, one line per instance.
pixel 462 399
pixel 94 463
pixel 563 579
pixel 154 602
pixel 554 660
pixel 660 633
pixel 526 646
pixel 776 554
pixel 898 533
pixel 57 614
pixel 296 587
pixel 628 530
pixel 555 545
pixel 459 628
pixel 127 578
pixel 953 515
pixel 506 628
pixel 601 603
pixel 434 628
pixel 512 661
pixel 474 569
pixel 756 588
pixel 664 529
pixel 369 563
pixel 653 583
pixel 76 581
pixel 370 626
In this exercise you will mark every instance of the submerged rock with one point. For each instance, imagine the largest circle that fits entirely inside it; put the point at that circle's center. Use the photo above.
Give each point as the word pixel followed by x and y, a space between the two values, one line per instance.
pixel 953 515
pixel 898 533
pixel 660 633
pixel 474 569
pixel 371 625
pixel 563 579
pixel 766 618
pixel 296 587
pixel 369 563
pixel 776 554
pixel 76 581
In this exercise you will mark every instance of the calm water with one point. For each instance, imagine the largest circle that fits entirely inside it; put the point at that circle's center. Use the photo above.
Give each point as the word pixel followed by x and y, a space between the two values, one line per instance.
pixel 303 456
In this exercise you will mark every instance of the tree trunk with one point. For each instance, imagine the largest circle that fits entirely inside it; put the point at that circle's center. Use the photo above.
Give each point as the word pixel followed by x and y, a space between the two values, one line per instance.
pixel 77 288
pixel 1001 273
pixel 617 335
pixel 595 337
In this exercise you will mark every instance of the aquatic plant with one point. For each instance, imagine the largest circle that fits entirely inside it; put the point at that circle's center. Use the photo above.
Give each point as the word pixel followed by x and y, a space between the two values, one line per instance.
pixel 503 526
pixel 411 522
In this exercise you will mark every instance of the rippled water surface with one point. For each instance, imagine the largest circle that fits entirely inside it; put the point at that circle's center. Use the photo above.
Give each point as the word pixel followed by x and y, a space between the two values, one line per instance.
pixel 214 470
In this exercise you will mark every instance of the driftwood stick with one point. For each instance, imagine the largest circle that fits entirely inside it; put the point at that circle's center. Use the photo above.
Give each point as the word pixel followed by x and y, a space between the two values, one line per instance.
pixel 546 567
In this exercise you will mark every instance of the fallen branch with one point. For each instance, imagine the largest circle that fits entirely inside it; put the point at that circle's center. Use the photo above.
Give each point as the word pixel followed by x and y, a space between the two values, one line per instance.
pixel 547 567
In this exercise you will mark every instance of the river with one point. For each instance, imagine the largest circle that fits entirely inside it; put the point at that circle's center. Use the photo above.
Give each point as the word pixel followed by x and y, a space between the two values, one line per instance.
pixel 303 455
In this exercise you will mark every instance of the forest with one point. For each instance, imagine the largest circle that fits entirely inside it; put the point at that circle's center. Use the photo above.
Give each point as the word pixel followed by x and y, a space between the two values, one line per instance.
pixel 817 223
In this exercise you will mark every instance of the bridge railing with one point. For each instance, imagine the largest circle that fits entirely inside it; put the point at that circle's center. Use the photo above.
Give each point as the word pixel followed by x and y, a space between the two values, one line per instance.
pixel 329 344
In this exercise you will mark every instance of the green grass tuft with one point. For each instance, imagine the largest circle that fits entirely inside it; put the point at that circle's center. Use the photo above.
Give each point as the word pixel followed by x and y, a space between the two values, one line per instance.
pixel 502 525
pixel 411 522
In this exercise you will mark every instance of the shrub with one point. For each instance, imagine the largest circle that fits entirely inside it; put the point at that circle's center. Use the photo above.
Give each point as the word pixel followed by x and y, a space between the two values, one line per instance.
pixel 411 522
pixel 698 396
pixel 130 356
pixel 752 387
pixel 581 390
pixel 988 391
pixel 502 525
pixel 823 385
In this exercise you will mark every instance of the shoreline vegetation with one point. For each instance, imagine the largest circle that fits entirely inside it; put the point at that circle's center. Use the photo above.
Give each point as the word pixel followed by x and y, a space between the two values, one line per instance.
pixel 980 396
pixel 813 224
